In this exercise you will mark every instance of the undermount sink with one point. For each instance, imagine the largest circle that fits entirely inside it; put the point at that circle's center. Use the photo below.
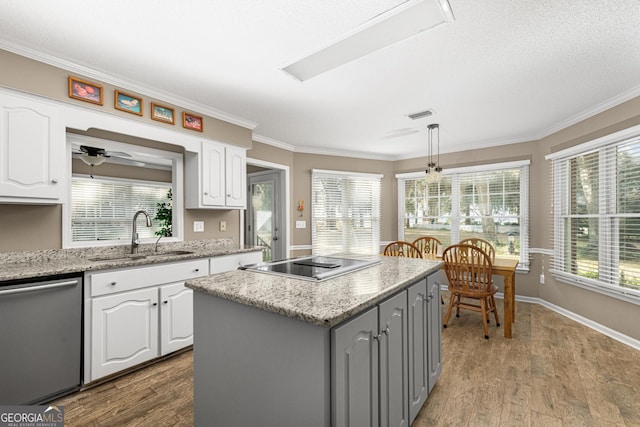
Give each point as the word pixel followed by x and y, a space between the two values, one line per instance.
pixel 168 253
pixel 117 258
pixel 134 257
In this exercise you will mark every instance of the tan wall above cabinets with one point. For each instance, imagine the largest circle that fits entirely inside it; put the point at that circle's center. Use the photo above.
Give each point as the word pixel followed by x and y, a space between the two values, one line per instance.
pixel 35 77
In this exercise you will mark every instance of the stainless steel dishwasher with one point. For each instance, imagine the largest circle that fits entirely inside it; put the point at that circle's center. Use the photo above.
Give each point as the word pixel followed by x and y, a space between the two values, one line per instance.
pixel 40 339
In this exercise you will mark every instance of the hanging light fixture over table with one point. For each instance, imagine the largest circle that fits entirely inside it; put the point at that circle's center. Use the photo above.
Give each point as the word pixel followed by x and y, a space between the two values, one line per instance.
pixel 434 171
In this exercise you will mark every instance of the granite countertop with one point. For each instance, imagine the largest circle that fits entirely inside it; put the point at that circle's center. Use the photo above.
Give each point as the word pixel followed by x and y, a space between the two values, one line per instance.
pixel 34 264
pixel 323 303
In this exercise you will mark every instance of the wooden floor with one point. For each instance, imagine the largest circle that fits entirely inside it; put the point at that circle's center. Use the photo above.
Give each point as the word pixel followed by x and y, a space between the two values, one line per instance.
pixel 554 372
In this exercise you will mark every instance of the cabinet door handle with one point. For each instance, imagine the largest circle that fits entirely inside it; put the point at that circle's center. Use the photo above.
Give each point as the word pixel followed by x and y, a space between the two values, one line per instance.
pixel 386 331
pixel 113 283
pixel 376 337
pixel 54 181
pixel 206 194
pixel 165 302
pixel 196 270
pixel 154 304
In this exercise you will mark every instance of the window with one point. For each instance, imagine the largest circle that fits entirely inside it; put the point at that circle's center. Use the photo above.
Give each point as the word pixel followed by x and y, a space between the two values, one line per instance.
pixel 103 209
pixel 489 202
pixel 596 190
pixel 99 211
pixel 345 212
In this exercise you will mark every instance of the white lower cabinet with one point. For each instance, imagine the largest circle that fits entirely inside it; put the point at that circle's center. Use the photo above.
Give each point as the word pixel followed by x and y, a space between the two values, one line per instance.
pixel 385 361
pixel 176 317
pixel 370 367
pixel 124 331
pixel 137 314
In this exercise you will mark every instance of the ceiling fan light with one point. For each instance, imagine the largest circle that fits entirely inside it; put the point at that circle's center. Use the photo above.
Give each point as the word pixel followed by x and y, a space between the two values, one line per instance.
pixel 92 160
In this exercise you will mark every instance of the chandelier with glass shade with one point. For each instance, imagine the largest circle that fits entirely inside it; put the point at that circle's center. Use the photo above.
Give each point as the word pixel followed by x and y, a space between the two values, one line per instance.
pixel 434 171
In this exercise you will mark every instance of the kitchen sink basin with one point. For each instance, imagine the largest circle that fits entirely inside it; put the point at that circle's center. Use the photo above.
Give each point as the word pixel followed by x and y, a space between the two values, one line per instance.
pixel 168 253
pixel 133 257
pixel 118 258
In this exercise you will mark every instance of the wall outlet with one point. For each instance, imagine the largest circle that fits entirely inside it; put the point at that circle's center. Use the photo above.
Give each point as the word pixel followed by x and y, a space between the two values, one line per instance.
pixel 542 279
pixel 223 225
pixel 301 224
pixel 198 226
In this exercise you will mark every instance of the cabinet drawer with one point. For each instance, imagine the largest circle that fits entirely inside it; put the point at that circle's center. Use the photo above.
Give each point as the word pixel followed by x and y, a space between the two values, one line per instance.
pixel 139 277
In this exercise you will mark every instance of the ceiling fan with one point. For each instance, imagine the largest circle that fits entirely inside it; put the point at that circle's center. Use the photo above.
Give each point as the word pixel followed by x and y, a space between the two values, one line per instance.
pixel 94 156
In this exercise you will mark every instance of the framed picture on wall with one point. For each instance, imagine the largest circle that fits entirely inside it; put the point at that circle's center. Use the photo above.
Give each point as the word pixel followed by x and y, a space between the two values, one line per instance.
pixel 85 91
pixel 129 103
pixel 162 113
pixel 191 121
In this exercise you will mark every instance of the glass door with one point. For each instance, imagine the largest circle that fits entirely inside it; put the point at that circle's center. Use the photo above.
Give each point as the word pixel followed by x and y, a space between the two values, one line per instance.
pixel 264 222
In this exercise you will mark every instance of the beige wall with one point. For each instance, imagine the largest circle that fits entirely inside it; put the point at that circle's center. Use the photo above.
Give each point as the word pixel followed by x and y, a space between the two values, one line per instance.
pixel 35 77
pixel 613 313
pixel 39 227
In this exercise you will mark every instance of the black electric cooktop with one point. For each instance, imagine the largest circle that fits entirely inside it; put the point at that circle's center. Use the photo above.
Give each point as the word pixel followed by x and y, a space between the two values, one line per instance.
pixel 313 267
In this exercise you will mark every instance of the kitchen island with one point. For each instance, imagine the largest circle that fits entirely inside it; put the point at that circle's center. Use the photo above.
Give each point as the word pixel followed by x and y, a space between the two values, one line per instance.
pixel 271 350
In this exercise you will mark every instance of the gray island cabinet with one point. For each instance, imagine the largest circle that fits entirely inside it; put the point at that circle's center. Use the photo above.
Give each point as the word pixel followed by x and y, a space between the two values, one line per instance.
pixel 362 349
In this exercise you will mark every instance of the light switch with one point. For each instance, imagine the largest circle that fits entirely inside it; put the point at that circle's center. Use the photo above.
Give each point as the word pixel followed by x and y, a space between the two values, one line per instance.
pixel 223 225
pixel 198 226
pixel 301 224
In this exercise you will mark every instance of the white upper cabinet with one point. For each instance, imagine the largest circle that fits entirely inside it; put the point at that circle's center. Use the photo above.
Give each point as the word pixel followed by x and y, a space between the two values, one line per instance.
pixel 216 177
pixel 236 177
pixel 32 151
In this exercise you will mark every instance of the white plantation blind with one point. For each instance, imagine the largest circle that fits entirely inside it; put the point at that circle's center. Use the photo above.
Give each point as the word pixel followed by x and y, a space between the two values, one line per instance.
pixel 596 214
pixel 103 209
pixel 345 213
pixel 488 201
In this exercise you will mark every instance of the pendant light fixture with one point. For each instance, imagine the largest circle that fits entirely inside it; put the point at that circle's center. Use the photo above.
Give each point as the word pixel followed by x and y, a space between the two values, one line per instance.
pixel 434 171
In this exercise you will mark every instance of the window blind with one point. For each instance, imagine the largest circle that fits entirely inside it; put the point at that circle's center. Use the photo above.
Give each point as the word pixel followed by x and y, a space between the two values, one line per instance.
pixel 345 214
pixel 490 202
pixel 596 214
pixel 103 209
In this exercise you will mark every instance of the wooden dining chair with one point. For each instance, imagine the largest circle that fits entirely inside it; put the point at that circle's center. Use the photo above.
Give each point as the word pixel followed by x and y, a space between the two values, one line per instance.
pixel 402 249
pixel 482 244
pixel 428 246
pixel 468 269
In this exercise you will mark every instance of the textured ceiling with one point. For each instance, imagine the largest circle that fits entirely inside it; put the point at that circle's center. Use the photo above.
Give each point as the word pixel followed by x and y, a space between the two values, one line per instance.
pixel 504 71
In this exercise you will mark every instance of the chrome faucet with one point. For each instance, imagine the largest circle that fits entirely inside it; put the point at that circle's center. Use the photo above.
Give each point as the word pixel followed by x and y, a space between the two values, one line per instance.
pixel 134 234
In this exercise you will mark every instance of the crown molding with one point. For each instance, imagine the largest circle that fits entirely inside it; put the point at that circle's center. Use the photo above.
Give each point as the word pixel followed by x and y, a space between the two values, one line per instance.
pixel 599 108
pixel 124 83
pixel 273 142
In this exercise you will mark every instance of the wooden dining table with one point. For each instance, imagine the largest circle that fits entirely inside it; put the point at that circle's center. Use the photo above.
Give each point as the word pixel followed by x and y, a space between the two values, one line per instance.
pixel 506 267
